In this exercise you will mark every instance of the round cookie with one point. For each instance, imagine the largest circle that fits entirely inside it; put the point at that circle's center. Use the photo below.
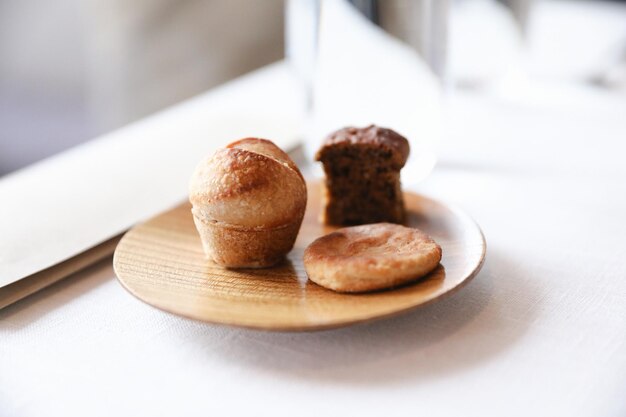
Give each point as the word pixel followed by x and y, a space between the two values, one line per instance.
pixel 370 257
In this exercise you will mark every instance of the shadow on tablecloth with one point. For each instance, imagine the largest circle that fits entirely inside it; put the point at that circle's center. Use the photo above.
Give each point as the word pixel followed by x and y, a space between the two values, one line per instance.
pixel 476 324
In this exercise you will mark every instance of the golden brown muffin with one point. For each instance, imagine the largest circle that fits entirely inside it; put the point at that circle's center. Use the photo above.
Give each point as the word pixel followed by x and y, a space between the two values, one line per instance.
pixel 370 257
pixel 362 167
pixel 248 203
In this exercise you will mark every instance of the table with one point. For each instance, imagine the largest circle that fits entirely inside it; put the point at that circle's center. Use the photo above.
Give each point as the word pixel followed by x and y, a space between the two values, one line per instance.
pixel 540 331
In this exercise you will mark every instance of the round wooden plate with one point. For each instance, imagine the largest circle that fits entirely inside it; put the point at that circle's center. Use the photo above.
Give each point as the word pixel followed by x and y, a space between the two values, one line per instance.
pixel 161 262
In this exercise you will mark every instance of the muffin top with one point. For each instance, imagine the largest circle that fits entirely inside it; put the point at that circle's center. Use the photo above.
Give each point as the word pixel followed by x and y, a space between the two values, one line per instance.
pixel 251 183
pixel 371 136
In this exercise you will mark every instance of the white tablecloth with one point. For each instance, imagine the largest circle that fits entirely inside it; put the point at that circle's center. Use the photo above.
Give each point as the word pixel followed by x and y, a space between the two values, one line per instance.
pixel 540 331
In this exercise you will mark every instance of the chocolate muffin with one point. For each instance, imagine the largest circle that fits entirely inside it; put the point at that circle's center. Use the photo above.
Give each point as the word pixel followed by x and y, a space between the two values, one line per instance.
pixel 362 167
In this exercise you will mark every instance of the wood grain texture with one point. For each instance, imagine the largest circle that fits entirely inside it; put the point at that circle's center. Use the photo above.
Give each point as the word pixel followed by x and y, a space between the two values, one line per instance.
pixel 162 263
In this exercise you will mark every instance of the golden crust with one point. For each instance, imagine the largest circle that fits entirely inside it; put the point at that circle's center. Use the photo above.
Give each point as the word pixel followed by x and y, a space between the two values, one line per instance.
pixel 267 148
pixel 248 203
pixel 370 257
pixel 245 188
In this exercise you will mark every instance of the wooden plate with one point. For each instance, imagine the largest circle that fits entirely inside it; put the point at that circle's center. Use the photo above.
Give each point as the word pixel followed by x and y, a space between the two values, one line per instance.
pixel 161 262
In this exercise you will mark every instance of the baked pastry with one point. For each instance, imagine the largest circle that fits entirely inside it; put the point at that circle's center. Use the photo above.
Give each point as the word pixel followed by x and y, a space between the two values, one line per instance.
pixel 362 167
pixel 370 257
pixel 248 203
